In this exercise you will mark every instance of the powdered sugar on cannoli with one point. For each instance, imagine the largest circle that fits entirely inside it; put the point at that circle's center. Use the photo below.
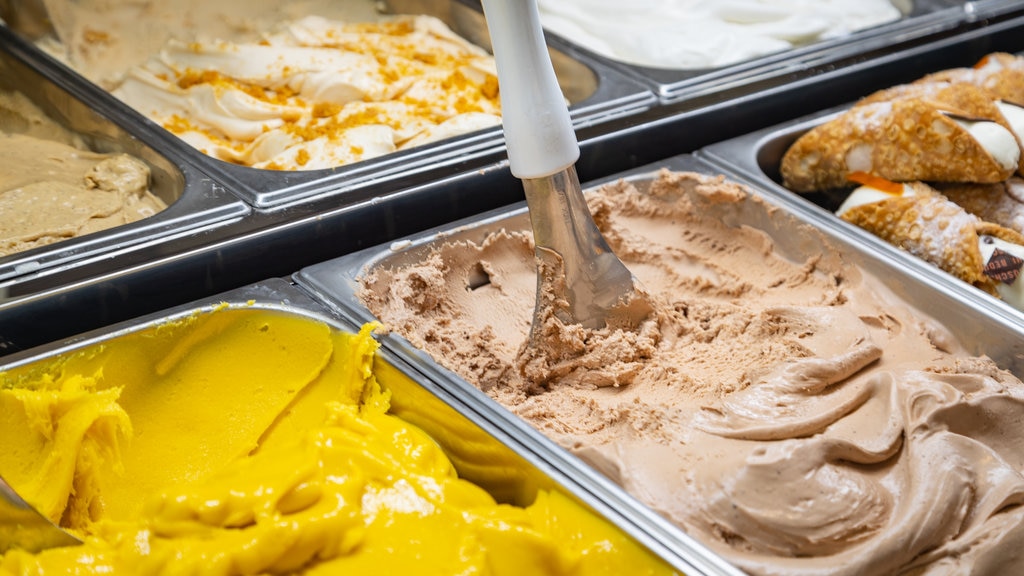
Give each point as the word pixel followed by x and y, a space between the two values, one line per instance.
pixel 956 136
pixel 867 119
pixel 925 223
pixel 1001 203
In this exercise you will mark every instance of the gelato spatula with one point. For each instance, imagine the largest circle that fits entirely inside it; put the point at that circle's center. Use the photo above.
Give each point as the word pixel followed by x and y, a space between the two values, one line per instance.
pixel 22 526
pixel 575 264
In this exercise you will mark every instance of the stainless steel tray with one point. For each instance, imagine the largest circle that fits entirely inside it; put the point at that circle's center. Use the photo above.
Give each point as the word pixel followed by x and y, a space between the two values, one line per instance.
pixel 597 93
pixel 925 18
pixel 699 121
pixel 336 282
pixel 466 431
pixel 755 159
pixel 195 202
pixel 984 325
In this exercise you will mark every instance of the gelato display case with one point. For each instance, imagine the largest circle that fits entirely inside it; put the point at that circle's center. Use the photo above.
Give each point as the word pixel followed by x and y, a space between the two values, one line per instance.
pixel 806 397
pixel 775 333
pixel 257 429
pixel 283 133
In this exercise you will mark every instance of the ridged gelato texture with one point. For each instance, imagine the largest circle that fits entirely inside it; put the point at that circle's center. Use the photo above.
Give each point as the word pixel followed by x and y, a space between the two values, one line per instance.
pixel 780 405
pixel 249 441
pixel 318 93
pixel 53 187
pixel 692 34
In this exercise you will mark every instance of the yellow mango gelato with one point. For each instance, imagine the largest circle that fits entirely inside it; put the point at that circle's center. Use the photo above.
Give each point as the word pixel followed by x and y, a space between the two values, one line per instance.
pixel 251 441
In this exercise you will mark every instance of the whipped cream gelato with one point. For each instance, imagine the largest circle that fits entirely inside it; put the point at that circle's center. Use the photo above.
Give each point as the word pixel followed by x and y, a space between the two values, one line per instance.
pixel 320 93
pixel 270 85
pixel 794 415
pixel 692 34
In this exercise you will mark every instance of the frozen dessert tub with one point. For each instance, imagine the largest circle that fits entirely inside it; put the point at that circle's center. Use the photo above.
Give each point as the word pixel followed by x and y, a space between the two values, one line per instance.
pixel 815 46
pixel 775 229
pixel 595 91
pixel 194 202
pixel 191 344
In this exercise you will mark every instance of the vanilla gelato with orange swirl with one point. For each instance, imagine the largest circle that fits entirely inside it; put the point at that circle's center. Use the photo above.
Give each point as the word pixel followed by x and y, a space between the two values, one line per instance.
pixel 319 93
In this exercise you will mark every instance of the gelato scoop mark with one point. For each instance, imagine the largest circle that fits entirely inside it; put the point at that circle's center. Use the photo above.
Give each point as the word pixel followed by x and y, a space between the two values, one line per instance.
pixel 320 93
pixel 52 188
pixel 786 409
pixel 247 441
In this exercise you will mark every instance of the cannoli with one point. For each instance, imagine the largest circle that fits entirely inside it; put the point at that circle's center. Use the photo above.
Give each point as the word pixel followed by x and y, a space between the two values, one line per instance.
pixel 1000 73
pixel 917 218
pixel 1001 203
pixel 946 133
pixel 968 101
pixel 1001 83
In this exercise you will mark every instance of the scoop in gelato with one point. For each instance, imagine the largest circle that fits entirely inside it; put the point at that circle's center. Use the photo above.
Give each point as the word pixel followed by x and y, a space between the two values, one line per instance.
pixel 792 414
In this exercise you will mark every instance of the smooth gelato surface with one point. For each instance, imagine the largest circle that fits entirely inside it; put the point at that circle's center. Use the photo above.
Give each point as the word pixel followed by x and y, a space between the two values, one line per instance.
pixel 300 94
pixel 52 188
pixel 692 34
pixel 791 413
pixel 247 441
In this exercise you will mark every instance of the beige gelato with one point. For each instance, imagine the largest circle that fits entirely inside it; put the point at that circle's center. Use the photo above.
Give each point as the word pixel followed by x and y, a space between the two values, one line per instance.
pixel 795 416
pixel 300 94
pixel 52 188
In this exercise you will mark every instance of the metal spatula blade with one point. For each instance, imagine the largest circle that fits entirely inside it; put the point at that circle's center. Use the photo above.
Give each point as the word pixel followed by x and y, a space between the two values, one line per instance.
pixel 24 527
pixel 578 266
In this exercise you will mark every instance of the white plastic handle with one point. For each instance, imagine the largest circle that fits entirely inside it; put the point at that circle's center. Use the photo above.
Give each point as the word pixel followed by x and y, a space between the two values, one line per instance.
pixel 535 119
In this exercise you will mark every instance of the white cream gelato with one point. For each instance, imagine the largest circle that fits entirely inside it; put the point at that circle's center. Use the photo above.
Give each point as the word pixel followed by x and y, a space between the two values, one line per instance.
pixel 688 34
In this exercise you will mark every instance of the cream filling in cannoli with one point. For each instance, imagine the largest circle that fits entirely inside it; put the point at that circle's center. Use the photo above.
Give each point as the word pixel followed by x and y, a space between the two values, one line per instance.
pixel 863 195
pixel 996 140
pixel 1010 288
pixel 1014 117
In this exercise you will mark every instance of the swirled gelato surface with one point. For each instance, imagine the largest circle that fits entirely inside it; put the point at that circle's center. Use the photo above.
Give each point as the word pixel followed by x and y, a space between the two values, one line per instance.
pixel 247 441
pixel 53 188
pixel 279 88
pixel 691 34
pixel 319 94
pixel 780 405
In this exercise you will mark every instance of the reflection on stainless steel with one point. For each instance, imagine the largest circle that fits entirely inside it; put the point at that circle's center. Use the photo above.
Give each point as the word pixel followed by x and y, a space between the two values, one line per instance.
pixel 27 16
